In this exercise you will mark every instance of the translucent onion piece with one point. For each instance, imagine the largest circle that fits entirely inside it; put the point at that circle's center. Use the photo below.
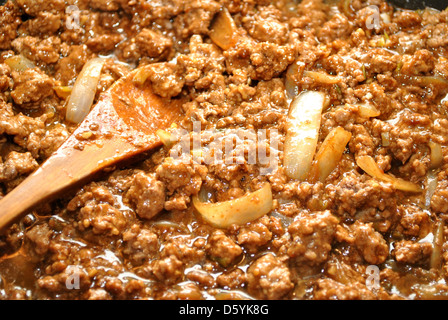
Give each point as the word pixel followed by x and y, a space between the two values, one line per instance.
pixel 19 63
pixel 346 7
pixel 367 110
pixel 431 186
pixel 83 92
pixel 436 155
pixel 368 164
pixel 237 211
pixel 63 91
pixel 329 154
pixel 322 77
pixel 166 137
pixel 438 241
pixel 302 133
pixel 142 75
pixel 385 139
pixel 223 30
pixel 290 84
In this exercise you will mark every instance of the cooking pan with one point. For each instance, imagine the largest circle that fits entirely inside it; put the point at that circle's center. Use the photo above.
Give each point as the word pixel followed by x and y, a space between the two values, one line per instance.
pixel 420 4
pixel 406 4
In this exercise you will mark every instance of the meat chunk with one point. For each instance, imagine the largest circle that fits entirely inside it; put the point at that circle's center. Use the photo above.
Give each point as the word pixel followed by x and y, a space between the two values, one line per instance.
pixel 181 180
pixel 256 235
pixel 266 25
pixel 32 7
pixel 204 64
pixel 98 212
pixel 27 131
pixel 68 67
pixel 45 23
pixel 105 5
pixel 152 44
pixel 140 244
pixel 31 87
pixel 407 251
pixel 353 192
pixel 421 62
pixel 327 289
pixel 166 79
pixel 222 249
pixel 269 278
pixel 312 236
pixel 17 164
pixel 40 236
pixel 168 270
pixel 196 18
pixel 146 194
pixel 9 22
pixel 370 244
pixel 5 77
pixel 259 60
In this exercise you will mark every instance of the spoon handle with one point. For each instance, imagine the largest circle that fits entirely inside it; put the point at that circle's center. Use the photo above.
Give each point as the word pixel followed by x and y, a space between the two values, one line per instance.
pixel 66 168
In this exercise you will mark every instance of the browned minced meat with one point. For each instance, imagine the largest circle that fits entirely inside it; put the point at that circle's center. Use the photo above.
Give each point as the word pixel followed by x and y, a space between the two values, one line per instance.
pixel 133 232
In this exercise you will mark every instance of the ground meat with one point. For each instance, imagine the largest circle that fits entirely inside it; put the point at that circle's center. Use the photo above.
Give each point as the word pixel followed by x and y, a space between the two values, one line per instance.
pixel 181 180
pixel 269 278
pixel 439 199
pixel 196 18
pixel 222 249
pixel 266 25
pixel 312 236
pixel 258 234
pixel 17 164
pixel 101 218
pixel 139 244
pixel 39 236
pixel 133 232
pixel 9 22
pixel 234 279
pixel 34 7
pixel 407 251
pixel 370 243
pixel 327 289
pixel 353 192
pixel 146 194
pixel 153 44
pixel 259 60
pixel 31 87
pixel 68 67
pixel 165 79
pixel 169 269
pixel 45 51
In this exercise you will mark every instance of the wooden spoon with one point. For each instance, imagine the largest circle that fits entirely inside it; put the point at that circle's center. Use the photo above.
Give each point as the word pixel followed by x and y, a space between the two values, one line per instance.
pixel 121 125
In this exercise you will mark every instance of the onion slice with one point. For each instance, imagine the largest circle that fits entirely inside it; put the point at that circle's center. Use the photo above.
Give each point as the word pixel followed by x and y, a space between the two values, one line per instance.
pixel 436 154
pixel 368 110
pixel 237 211
pixel 223 30
pixel 84 90
pixel 322 77
pixel 368 164
pixel 302 133
pixel 329 154
pixel 438 241
pixel 19 63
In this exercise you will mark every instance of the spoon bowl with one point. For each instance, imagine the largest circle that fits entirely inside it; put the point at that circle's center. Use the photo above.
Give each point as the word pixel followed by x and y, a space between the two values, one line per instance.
pixel 121 125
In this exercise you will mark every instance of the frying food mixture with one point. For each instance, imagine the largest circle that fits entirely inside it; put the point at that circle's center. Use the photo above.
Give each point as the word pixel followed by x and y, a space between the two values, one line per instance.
pixel 351 97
